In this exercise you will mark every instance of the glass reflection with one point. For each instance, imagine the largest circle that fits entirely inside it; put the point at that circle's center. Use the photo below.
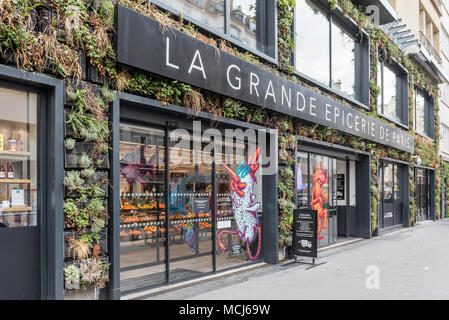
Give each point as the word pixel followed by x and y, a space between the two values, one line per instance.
pixel 343 61
pixel 312 51
pixel 388 196
pixel 142 208
pixel 420 112
pixel 244 22
pixel 389 94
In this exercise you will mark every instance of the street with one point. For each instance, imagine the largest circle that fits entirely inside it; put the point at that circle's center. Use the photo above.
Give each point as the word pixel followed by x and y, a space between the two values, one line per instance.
pixel 409 263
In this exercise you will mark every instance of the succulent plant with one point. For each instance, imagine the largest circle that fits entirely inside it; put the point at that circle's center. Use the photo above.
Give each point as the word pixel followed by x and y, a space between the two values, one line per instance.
pixel 85 161
pixel 70 143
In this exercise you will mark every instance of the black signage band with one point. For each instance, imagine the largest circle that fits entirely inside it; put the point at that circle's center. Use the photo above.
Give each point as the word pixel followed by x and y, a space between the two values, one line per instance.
pixel 146 44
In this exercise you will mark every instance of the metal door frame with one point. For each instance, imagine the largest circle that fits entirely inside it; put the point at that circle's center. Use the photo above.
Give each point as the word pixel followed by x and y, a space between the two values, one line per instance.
pixel 51 169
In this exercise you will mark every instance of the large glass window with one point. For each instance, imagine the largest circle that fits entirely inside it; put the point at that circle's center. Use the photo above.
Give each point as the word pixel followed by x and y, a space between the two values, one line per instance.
pixel 173 240
pixel 312 52
pixel 343 61
pixel 392 102
pixel 329 58
pixel 424 117
pixel 19 185
pixel 245 23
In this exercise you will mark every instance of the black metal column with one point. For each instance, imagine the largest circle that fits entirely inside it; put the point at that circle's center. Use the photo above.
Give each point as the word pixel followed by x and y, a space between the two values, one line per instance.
pixel 348 197
pixel 214 215
pixel 167 206
pixel 113 291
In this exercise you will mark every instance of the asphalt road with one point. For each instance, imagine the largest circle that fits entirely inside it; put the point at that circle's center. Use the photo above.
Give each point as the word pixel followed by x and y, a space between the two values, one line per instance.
pixel 410 263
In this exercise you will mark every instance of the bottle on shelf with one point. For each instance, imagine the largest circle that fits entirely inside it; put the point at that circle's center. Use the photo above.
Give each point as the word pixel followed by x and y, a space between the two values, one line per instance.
pixel 10 171
pixel 2 171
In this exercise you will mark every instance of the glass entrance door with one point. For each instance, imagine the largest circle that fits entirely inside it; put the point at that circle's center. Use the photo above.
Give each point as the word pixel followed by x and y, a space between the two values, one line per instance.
pixel 390 187
pixel 422 193
pixel 316 180
pixel 190 203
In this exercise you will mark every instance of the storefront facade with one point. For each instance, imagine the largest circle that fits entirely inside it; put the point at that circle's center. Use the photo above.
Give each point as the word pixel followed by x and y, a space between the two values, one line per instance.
pixel 166 155
pixel 205 233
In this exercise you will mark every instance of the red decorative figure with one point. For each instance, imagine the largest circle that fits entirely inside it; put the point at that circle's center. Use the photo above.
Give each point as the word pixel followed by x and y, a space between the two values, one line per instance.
pixel 318 197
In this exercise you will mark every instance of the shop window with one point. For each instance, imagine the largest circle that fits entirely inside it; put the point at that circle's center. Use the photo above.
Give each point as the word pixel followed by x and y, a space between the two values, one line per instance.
pixel 337 57
pixel 19 185
pixel 424 120
pixel 248 23
pixel 392 103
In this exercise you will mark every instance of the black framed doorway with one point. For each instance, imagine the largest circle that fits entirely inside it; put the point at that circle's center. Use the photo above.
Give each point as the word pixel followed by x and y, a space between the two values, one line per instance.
pixel 393 190
pixel 347 187
pixel 422 194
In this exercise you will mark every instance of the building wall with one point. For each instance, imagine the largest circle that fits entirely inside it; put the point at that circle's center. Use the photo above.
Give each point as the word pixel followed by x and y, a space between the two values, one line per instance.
pixel 420 16
pixel 444 88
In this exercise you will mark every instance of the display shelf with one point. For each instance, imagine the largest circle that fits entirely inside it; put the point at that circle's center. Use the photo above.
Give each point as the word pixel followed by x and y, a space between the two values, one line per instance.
pixel 139 224
pixel 19 181
pixel 152 210
pixel 151 194
pixel 15 153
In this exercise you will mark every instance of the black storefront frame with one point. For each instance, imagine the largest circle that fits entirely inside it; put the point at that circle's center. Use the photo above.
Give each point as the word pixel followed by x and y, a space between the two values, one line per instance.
pixel 404 168
pixel 270 236
pixel 363 179
pixel 52 175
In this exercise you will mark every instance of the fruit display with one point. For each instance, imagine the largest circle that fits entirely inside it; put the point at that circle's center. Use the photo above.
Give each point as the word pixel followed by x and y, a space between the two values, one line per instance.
pixel 123 234
pixel 150 229
pixel 128 206
pixel 205 225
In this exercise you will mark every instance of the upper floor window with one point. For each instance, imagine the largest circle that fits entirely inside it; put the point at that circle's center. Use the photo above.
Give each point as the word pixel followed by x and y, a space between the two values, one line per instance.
pixel 444 138
pixel 248 23
pixel 392 103
pixel 329 50
pixel 445 42
pixel 444 93
pixel 424 119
